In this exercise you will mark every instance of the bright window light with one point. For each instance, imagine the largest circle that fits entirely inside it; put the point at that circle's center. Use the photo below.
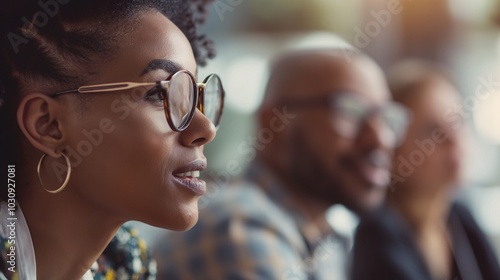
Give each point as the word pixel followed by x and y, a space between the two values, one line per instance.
pixel 487 117
pixel 245 83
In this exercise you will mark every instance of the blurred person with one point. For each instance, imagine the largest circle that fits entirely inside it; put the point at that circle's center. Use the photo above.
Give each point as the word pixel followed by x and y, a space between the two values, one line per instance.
pixel 95 131
pixel 332 127
pixel 422 233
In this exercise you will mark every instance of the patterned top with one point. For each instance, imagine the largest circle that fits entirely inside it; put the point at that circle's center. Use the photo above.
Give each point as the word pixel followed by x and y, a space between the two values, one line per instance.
pixel 126 257
pixel 255 230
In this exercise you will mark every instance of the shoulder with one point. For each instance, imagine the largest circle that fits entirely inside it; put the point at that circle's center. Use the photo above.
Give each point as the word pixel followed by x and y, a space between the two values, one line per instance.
pixel 245 203
pixel 239 231
pixel 383 224
pixel 384 248
pixel 9 243
pixel 126 256
pixel 460 215
pixel 461 211
pixel 241 212
pixel 482 250
pixel 383 232
pixel 8 267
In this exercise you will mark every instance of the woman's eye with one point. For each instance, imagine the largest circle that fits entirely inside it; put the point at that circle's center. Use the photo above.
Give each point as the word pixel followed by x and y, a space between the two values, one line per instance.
pixel 154 96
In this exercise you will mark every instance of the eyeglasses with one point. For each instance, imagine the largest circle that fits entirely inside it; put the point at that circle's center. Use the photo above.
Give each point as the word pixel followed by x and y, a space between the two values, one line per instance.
pixel 349 113
pixel 181 96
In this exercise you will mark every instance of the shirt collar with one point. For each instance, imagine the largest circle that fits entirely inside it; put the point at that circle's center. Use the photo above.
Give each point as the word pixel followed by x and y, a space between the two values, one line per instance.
pixel 313 228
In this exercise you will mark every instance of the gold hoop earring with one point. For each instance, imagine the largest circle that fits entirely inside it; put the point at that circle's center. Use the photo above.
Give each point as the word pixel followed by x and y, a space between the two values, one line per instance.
pixel 68 175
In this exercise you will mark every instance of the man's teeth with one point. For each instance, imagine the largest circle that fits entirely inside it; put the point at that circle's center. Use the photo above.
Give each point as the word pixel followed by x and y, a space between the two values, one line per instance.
pixel 193 174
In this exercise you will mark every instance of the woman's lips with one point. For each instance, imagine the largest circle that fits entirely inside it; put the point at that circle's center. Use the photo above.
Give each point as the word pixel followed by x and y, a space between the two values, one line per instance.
pixel 188 176
pixel 196 185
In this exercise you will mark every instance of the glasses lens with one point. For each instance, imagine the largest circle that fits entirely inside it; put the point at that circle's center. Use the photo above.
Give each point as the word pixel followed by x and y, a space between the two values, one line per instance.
pixel 397 119
pixel 181 99
pixel 348 114
pixel 212 99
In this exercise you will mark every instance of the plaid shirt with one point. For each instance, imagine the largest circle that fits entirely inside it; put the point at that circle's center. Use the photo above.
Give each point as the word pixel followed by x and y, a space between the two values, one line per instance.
pixel 254 230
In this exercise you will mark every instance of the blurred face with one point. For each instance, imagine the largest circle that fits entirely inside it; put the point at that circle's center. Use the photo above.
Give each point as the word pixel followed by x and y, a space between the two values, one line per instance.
pixel 333 160
pixel 430 159
pixel 127 159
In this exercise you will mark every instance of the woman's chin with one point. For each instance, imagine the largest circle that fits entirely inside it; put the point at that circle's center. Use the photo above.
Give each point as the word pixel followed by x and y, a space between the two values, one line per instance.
pixel 186 219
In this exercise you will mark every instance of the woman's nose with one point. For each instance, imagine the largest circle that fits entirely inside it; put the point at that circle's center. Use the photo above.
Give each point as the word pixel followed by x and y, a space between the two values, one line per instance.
pixel 200 131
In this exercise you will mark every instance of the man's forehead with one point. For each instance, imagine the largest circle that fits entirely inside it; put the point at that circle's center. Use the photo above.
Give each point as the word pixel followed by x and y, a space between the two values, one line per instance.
pixel 293 62
pixel 314 71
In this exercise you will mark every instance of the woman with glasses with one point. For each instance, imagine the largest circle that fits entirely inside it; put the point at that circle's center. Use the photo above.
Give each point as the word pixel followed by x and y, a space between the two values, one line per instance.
pixel 422 233
pixel 102 121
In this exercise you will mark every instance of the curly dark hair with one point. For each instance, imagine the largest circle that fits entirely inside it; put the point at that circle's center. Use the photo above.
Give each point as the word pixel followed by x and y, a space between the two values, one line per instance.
pixel 51 43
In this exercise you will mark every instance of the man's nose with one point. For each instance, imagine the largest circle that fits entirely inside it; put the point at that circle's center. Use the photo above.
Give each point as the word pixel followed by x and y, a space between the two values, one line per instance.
pixel 376 133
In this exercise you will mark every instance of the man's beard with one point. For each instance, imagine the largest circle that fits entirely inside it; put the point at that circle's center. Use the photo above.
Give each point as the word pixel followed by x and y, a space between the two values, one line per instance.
pixel 308 175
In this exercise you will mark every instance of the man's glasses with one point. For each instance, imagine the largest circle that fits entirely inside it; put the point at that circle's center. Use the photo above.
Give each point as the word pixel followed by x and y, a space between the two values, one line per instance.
pixel 181 96
pixel 349 114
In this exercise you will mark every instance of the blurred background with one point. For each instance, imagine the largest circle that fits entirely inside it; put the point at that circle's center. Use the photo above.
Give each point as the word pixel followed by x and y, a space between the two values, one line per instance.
pixel 462 34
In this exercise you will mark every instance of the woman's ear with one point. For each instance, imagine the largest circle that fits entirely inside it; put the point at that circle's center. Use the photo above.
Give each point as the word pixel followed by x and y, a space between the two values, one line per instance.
pixel 38 117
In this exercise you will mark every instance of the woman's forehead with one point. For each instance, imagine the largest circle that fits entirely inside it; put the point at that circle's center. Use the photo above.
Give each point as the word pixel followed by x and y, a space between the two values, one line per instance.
pixel 155 44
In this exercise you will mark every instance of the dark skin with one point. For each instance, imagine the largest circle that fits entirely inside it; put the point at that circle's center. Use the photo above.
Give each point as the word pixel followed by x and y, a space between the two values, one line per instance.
pixel 320 166
pixel 130 175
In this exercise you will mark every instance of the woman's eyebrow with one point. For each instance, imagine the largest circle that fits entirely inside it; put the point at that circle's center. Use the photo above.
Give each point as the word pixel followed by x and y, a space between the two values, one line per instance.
pixel 161 64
